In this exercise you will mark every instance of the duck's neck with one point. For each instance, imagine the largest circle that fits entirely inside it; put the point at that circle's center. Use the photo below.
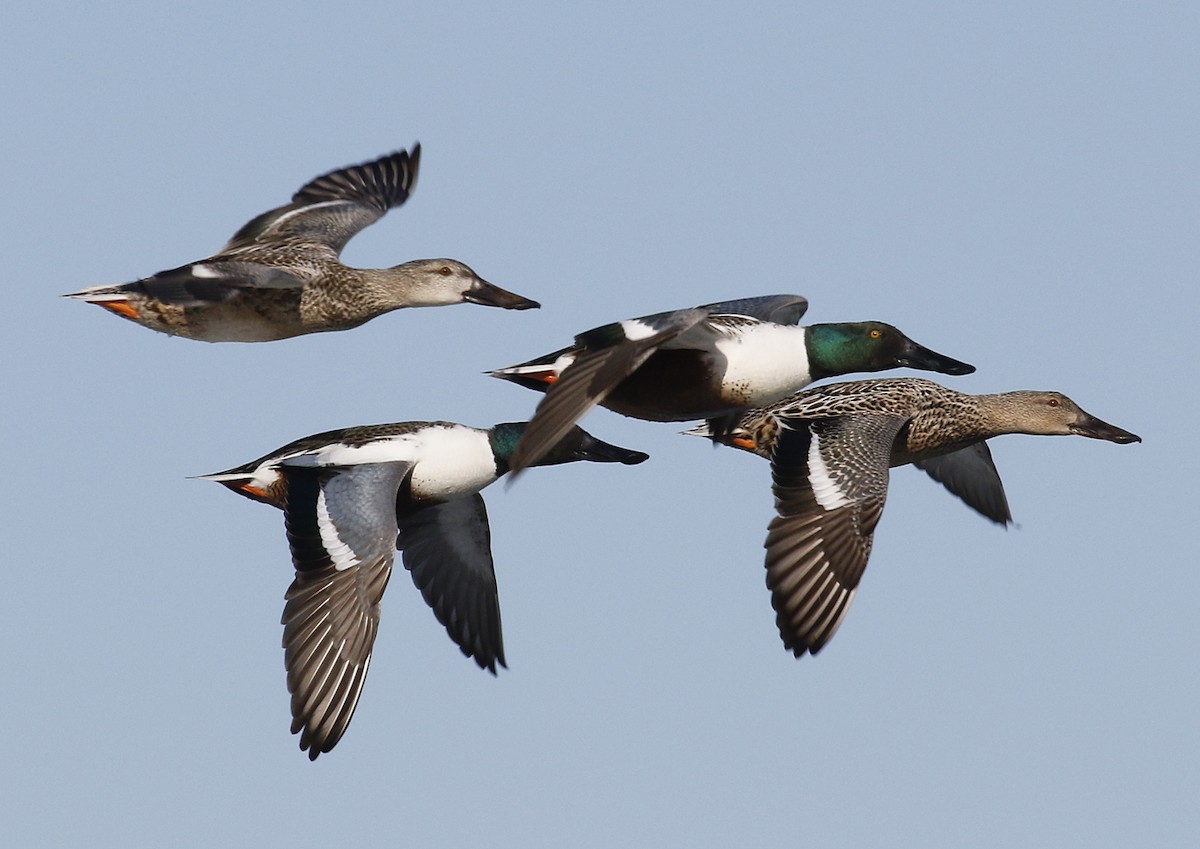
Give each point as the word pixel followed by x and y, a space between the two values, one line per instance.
pixel 503 439
pixel 998 414
pixel 955 420
pixel 401 285
pixel 1028 411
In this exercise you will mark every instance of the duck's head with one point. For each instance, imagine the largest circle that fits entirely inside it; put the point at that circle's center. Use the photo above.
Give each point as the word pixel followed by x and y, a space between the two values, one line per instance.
pixel 1054 414
pixel 846 347
pixel 437 282
pixel 577 445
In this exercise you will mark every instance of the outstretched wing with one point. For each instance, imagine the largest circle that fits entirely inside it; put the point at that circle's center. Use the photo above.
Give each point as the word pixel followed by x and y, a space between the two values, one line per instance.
pixel 448 549
pixel 330 209
pixel 341 523
pixel 970 474
pixel 830 480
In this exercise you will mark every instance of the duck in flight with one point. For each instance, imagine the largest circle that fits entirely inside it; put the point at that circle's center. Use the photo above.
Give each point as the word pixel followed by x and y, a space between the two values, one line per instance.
pixel 350 498
pixel 830 450
pixel 280 276
pixel 709 362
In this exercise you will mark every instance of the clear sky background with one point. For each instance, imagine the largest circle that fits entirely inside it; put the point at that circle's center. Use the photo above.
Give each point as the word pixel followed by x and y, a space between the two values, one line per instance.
pixel 1014 186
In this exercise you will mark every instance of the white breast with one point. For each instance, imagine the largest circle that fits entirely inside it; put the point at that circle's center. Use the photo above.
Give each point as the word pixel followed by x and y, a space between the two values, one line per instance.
pixel 453 461
pixel 764 362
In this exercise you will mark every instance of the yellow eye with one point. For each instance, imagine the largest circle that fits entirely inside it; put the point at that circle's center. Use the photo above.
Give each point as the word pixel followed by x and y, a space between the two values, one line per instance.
pixel 875 333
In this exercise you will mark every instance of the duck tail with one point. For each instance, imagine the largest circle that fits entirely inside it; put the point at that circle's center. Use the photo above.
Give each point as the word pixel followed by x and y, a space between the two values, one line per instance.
pixel 537 374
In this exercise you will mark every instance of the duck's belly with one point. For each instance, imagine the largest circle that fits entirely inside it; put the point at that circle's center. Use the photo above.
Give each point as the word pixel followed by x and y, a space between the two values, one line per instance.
pixel 235 327
pixel 261 319
pixel 671 386
pixel 750 369
pixel 241 319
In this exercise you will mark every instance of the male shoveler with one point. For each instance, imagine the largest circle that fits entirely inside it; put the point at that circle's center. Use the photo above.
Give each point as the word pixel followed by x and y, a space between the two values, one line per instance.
pixel 280 275
pixel 709 362
pixel 830 449
pixel 345 494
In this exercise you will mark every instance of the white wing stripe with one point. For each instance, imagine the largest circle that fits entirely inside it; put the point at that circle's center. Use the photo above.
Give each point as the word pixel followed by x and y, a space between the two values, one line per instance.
pixel 340 553
pixel 825 489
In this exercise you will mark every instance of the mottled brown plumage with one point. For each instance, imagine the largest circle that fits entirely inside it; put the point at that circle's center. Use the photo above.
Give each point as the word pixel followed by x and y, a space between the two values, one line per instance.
pixel 830 449
pixel 280 276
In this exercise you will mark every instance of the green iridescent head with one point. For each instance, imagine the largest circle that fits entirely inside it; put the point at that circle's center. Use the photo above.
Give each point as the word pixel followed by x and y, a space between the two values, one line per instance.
pixel 578 444
pixel 835 349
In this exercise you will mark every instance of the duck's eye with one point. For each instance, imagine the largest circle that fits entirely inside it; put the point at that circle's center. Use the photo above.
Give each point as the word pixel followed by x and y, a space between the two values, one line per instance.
pixel 1053 402
pixel 875 333
pixel 445 271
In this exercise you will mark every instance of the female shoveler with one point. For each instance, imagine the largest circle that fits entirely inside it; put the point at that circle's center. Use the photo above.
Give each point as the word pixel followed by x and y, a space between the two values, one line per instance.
pixel 280 275
pixel 830 449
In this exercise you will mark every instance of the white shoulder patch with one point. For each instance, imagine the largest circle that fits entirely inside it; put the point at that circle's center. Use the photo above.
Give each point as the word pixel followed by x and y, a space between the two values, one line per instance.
pixel 634 329
pixel 203 271
pixel 828 494
pixel 563 361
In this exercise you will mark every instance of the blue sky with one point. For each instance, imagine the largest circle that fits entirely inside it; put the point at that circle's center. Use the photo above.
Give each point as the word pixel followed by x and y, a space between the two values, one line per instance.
pixel 1015 186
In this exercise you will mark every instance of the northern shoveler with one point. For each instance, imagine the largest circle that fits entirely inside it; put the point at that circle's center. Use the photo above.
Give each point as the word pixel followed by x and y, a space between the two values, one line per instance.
pixel 830 449
pixel 345 494
pixel 710 362
pixel 280 275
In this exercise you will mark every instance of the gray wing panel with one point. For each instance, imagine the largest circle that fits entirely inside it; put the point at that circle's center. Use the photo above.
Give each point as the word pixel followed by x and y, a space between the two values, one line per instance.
pixel 340 523
pixel 343 515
